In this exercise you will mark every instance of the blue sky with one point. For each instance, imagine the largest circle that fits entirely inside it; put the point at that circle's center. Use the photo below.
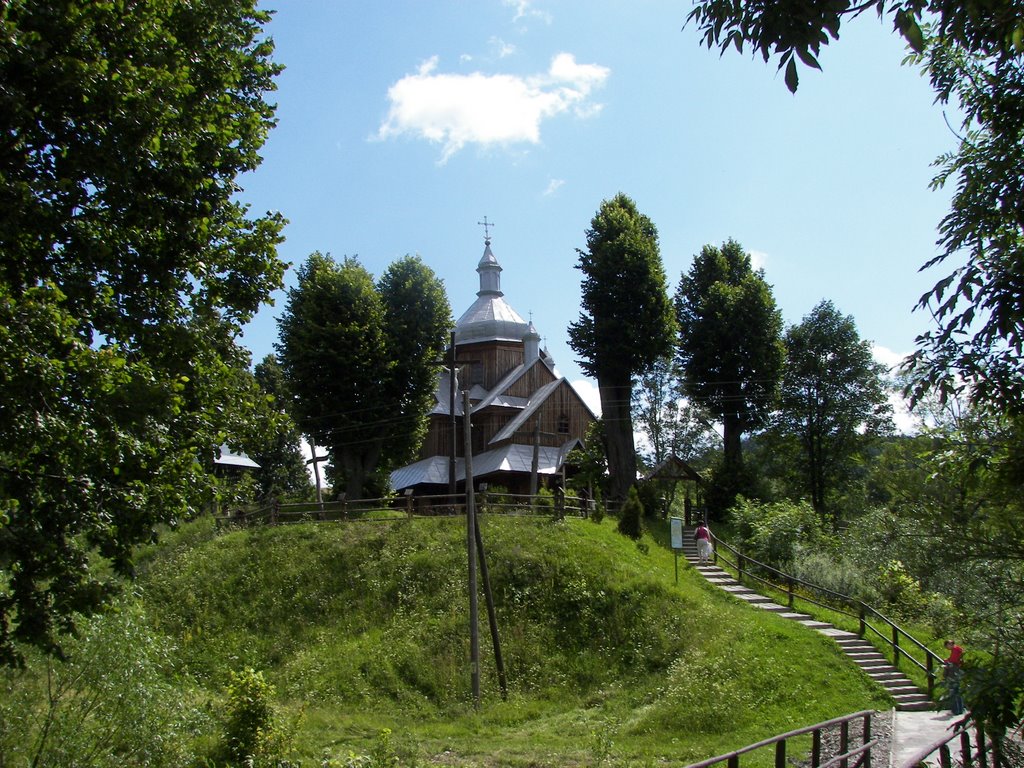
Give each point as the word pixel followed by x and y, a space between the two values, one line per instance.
pixel 403 124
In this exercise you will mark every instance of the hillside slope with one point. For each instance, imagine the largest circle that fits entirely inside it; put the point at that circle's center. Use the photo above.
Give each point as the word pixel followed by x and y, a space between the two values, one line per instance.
pixel 364 626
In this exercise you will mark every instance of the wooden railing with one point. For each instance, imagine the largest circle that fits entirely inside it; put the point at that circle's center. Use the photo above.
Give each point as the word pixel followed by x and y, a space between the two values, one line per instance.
pixel 847 757
pixel 390 508
pixel 904 646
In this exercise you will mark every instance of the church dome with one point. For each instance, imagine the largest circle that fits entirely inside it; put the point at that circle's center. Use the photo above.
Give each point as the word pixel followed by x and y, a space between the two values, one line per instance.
pixel 490 318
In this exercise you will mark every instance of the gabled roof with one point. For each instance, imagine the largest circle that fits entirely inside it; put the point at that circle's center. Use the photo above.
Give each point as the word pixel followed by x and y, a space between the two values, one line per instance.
pixel 536 400
pixel 674 468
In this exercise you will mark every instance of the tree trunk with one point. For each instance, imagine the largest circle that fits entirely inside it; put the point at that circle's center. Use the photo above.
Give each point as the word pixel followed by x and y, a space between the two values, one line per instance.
pixel 617 416
pixel 732 434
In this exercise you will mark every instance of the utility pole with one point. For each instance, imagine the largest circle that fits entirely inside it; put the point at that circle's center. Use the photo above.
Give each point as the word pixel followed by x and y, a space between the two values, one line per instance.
pixel 454 434
pixel 474 631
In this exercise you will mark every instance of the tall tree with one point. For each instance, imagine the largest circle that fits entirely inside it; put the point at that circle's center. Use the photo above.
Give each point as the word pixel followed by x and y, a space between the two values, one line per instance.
pixel 626 322
pixel 359 360
pixel 417 320
pixel 974 56
pixel 833 400
pixel 730 342
pixel 127 269
pixel 670 423
pixel 278 448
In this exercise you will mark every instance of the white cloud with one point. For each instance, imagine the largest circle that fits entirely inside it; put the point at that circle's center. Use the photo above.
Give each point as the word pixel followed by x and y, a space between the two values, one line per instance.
pixel 887 357
pixel 502 48
pixel 905 421
pixel 553 186
pixel 525 10
pixel 758 259
pixel 455 110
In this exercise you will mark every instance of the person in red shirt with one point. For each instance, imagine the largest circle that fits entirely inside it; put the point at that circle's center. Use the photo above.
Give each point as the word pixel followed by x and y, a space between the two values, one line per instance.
pixel 952 673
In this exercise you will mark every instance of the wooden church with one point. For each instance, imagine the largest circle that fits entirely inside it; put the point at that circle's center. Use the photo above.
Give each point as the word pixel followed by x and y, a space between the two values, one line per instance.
pixel 523 413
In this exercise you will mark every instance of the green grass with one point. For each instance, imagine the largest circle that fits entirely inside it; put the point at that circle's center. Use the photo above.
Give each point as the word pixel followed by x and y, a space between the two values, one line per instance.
pixel 362 627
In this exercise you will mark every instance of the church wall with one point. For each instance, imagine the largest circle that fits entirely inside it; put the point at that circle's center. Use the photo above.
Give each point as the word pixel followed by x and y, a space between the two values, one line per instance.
pixel 490 361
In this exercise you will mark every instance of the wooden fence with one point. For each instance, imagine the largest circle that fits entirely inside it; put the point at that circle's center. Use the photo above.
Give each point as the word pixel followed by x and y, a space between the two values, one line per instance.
pixel 390 508
pixel 847 756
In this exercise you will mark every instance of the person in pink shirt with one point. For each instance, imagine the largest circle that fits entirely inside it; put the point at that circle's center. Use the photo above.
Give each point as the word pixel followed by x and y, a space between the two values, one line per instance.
pixel 952 673
pixel 703 539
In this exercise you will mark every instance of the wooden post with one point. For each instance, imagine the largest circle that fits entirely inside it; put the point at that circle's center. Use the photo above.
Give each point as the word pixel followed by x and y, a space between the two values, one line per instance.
pixel 844 742
pixel 866 737
pixel 535 464
pixel 780 754
pixel 895 647
pixel 789 581
pixel 863 622
pixel 492 616
pixel 474 633
pixel 453 438
pixel 816 748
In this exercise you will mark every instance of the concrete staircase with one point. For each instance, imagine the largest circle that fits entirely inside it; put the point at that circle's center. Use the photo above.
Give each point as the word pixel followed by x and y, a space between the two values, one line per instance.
pixel 907 696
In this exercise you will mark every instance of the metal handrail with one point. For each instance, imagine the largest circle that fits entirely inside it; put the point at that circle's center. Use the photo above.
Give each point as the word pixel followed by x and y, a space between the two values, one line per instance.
pixel 933 661
pixel 732 759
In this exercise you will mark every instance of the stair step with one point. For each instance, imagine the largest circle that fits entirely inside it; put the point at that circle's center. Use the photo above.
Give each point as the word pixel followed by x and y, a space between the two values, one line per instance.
pixel 906 696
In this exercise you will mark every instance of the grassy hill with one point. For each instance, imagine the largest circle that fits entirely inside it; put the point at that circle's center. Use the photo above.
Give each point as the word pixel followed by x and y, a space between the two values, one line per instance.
pixel 363 626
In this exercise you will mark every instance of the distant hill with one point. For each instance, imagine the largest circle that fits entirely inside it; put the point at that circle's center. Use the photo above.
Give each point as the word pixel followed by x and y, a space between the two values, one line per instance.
pixel 363 626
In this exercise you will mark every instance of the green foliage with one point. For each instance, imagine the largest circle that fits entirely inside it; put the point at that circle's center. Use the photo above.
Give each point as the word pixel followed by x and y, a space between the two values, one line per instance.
pixel 113 702
pixel 344 340
pixel 672 425
pixel 128 266
pixel 631 516
pixel 773 532
pixel 362 629
pixel 544 500
pixel 282 473
pixel 625 322
pixel 833 400
pixel 730 342
pixel 250 733
pixel 975 348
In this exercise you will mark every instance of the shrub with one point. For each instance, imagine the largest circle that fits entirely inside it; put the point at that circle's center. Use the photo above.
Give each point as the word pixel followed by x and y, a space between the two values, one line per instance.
pixel 631 516
pixel 110 703
pixel 249 731
pixel 773 532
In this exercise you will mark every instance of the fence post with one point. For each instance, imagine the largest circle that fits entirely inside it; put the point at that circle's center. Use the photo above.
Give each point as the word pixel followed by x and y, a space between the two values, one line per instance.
pixel 789 582
pixel 863 621
pixel 965 748
pixel 866 737
pixel 739 568
pixel 816 748
pixel 844 742
pixel 734 761
pixel 895 647
pixel 780 754
pixel 930 673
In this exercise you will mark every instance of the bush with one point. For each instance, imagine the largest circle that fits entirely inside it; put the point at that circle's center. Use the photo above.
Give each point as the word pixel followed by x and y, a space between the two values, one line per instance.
pixel 772 533
pixel 249 732
pixel 109 704
pixel 631 516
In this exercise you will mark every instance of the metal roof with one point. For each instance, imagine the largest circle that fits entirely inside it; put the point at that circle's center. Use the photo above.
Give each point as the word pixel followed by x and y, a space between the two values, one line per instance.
pixel 229 458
